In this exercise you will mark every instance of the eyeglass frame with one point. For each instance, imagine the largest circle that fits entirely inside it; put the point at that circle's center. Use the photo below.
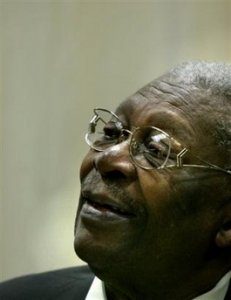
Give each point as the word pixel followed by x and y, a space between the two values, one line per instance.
pixel 179 163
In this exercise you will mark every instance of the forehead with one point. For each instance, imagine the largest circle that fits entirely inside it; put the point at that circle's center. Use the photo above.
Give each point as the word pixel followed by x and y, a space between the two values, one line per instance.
pixel 166 112
pixel 142 112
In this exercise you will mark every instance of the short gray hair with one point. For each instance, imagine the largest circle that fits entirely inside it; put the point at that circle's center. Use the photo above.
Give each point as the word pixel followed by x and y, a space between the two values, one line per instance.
pixel 212 76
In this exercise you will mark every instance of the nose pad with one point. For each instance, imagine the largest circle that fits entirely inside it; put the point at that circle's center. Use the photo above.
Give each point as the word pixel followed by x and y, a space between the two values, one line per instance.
pixel 115 162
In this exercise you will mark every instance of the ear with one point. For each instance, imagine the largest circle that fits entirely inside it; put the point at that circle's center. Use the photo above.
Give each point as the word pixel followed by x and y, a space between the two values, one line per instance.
pixel 223 236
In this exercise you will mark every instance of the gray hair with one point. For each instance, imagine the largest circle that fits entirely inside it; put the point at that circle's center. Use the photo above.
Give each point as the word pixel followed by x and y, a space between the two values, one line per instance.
pixel 213 76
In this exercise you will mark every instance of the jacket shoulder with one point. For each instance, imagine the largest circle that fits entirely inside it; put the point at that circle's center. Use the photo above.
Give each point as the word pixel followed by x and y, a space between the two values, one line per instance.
pixel 70 283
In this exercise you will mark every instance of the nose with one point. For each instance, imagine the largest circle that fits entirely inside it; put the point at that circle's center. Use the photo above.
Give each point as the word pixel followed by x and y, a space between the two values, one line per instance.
pixel 115 162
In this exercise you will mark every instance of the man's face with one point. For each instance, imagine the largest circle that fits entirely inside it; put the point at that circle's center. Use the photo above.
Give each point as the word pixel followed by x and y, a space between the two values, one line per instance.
pixel 138 221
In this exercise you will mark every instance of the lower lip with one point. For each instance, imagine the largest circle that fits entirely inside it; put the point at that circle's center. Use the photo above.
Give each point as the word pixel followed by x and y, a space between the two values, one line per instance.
pixel 88 212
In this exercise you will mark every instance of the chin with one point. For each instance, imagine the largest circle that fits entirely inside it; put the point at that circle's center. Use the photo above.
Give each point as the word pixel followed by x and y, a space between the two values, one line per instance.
pixel 90 249
pixel 98 259
pixel 106 244
pixel 100 252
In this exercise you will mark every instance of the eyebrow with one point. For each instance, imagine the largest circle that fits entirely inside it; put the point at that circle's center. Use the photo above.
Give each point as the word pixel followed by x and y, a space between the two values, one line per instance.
pixel 172 122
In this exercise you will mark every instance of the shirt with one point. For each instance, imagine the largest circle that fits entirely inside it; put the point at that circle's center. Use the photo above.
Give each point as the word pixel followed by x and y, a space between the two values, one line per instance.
pixel 97 290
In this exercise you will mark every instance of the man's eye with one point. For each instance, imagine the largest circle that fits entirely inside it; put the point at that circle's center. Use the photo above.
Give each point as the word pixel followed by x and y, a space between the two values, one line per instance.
pixel 159 150
pixel 110 133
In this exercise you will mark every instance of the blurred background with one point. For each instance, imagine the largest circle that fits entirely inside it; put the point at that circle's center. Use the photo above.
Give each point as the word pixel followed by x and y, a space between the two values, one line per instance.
pixel 60 59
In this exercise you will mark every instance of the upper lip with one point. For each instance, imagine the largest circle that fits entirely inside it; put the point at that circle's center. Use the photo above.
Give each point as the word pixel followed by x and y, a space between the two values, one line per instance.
pixel 104 199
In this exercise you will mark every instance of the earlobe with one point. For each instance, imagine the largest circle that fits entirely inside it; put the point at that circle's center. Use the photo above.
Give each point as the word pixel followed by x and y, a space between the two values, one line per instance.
pixel 223 237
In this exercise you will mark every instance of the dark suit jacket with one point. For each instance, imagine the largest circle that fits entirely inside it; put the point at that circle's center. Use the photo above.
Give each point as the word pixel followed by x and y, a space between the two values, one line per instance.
pixel 65 284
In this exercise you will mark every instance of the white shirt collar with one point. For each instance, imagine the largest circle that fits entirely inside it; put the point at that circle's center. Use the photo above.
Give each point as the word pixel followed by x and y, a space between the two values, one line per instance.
pixel 97 290
pixel 219 291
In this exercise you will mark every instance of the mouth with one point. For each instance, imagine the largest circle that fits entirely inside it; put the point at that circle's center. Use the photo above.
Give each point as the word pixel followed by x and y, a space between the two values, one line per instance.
pixel 102 208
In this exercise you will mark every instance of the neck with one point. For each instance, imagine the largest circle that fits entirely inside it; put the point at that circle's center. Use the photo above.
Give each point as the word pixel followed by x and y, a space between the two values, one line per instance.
pixel 150 293
pixel 113 294
pixel 182 290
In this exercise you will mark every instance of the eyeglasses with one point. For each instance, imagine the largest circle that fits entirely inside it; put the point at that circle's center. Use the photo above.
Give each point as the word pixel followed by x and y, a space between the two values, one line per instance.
pixel 149 146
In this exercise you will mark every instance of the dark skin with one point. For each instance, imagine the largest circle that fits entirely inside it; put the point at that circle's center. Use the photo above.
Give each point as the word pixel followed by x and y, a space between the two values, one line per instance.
pixel 175 229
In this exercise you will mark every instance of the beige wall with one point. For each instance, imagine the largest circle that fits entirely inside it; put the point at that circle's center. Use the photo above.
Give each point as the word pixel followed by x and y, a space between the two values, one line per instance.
pixel 59 60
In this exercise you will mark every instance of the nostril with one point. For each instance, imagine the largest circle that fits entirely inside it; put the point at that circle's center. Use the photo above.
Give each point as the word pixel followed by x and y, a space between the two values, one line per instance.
pixel 109 174
pixel 114 163
pixel 95 165
pixel 113 175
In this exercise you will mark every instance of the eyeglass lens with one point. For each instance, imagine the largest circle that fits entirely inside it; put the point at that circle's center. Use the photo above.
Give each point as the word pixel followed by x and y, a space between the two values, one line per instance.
pixel 149 146
pixel 104 130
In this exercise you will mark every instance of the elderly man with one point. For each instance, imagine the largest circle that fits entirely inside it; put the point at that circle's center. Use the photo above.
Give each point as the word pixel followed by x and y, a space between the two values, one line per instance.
pixel 154 217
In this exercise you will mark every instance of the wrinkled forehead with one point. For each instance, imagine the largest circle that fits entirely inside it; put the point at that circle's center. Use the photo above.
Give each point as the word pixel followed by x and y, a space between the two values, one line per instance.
pixel 182 109
pixel 194 103
pixel 158 101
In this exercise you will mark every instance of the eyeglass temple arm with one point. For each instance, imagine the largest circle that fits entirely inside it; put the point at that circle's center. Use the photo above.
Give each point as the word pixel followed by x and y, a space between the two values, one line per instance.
pixel 179 162
pixel 179 157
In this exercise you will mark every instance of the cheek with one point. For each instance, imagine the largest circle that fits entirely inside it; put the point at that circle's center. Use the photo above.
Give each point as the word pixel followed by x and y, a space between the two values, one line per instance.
pixel 155 189
pixel 86 165
pixel 156 194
